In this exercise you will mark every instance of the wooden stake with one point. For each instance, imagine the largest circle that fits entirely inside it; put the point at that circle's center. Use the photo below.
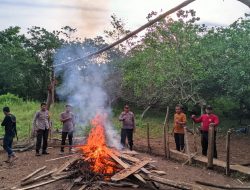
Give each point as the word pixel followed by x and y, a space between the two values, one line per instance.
pixel 210 155
pixel 33 173
pixel 148 139
pixel 187 150
pixel 195 144
pixel 228 153
pixel 166 148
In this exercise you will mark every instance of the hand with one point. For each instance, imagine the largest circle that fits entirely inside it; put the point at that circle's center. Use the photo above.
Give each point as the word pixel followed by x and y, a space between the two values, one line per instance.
pixel 211 124
pixel 193 116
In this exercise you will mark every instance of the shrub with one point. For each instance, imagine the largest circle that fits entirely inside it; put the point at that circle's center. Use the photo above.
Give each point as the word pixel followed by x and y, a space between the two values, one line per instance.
pixel 9 99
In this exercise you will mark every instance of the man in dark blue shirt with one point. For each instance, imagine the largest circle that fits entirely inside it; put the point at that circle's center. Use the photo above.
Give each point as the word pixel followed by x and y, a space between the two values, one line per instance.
pixel 9 123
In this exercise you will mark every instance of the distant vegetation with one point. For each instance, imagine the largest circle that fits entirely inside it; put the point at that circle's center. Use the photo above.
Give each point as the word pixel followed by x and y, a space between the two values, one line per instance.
pixel 176 61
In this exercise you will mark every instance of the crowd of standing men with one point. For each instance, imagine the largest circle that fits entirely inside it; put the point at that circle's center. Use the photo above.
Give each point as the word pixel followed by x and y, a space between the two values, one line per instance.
pixel 42 126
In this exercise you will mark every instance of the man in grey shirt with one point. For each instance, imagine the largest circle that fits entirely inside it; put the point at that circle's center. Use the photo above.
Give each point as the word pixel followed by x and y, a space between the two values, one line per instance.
pixel 128 126
pixel 41 127
pixel 68 120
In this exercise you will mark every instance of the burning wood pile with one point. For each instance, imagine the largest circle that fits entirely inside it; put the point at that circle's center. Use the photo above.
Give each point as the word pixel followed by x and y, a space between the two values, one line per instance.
pixel 96 165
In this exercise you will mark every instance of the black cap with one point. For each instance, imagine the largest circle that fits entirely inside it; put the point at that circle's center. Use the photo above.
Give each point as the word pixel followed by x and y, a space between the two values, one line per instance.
pixel 6 109
pixel 209 107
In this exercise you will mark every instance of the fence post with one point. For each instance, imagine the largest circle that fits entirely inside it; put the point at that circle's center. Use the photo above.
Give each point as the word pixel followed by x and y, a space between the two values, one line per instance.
pixel 228 153
pixel 187 150
pixel 165 133
pixel 210 155
pixel 148 139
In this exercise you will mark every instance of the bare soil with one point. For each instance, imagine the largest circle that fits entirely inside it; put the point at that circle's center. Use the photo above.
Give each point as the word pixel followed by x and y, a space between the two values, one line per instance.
pixel 27 162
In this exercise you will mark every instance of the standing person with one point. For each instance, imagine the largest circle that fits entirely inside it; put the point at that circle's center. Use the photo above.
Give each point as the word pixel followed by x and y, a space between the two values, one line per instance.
pixel 128 126
pixel 180 121
pixel 68 120
pixel 9 123
pixel 208 120
pixel 41 126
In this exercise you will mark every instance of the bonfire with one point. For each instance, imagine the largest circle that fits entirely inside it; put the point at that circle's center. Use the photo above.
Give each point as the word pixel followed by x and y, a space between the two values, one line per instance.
pixel 96 165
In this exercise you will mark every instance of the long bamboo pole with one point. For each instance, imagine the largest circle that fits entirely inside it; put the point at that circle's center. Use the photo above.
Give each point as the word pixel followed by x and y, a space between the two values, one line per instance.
pixel 160 17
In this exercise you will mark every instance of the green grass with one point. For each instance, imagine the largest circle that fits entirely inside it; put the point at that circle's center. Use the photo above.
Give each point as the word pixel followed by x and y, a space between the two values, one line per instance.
pixel 24 112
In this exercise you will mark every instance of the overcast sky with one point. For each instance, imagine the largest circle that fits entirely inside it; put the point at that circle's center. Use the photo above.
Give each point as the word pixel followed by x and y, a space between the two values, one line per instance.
pixel 91 17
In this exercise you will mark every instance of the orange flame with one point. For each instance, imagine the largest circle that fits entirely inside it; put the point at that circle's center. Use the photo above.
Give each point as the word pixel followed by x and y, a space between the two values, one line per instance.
pixel 96 150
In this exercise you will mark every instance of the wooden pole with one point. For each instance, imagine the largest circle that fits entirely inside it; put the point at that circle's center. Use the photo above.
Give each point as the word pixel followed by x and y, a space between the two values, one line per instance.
pixel 166 152
pixel 210 155
pixel 148 139
pixel 160 17
pixel 195 144
pixel 187 150
pixel 228 153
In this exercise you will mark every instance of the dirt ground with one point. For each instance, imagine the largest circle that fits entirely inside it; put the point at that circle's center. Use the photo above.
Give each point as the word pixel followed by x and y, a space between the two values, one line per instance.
pixel 27 163
pixel 239 148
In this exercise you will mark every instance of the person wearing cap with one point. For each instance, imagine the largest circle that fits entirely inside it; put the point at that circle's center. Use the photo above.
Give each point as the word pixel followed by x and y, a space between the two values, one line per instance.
pixel 41 127
pixel 128 126
pixel 9 123
pixel 180 121
pixel 208 120
pixel 68 120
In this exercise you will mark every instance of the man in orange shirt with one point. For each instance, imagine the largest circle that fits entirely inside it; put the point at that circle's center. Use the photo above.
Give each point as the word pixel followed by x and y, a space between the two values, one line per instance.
pixel 180 121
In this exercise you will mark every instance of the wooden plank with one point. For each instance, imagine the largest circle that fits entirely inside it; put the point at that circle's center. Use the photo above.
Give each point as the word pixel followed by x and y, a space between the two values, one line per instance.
pixel 33 173
pixel 210 154
pixel 41 184
pixel 129 170
pixel 83 187
pixel 125 165
pixel 60 158
pixel 133 159
pixel 66 164
pixel 37 178
pixel 175 183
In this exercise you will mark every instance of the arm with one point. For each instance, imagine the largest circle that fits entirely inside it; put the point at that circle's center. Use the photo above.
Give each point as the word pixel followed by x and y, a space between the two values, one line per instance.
pixel 121 117
pixel 4 121
pixel 197 120
pixel 215 121
pixel 183 120
pixel 133 119
pixel 34 121
pixel 63 119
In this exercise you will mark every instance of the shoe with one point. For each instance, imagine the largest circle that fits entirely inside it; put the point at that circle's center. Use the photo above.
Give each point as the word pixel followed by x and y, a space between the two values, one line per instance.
pixel 14 158
pixel 45 153
pixel 38 154
pixel 8 160
pixel 61 153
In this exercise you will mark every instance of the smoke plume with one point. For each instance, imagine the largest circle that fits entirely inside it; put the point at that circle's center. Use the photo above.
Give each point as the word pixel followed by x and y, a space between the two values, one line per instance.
pixel 82 86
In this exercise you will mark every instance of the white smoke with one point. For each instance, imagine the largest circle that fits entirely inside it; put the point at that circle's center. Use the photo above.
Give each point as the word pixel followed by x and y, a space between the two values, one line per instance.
pixel 83 87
